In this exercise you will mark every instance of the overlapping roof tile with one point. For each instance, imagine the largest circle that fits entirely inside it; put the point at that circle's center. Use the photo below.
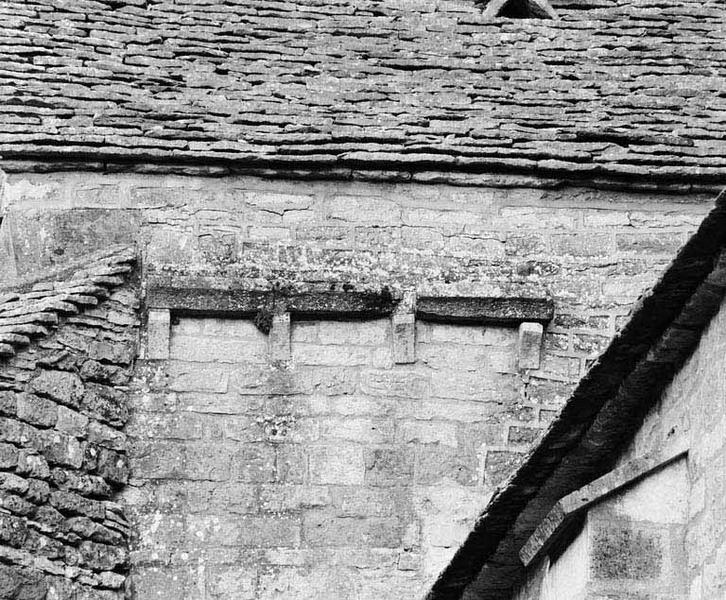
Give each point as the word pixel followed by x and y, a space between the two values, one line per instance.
pixel 31 308
pixel 630 89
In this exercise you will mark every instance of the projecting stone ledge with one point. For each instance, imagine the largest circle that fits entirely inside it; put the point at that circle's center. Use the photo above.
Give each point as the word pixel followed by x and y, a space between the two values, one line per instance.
pixel 250 302
pixel 188 296
pixel 495 310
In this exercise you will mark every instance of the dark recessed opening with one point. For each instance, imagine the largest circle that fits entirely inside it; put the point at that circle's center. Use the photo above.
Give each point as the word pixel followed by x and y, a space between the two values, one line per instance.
pixel 516 9
pixel 520 9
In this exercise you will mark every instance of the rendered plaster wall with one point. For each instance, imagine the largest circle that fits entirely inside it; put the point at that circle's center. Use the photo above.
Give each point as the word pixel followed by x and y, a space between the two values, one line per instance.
pixel 693 410
pixel 342 467
pixel 630 544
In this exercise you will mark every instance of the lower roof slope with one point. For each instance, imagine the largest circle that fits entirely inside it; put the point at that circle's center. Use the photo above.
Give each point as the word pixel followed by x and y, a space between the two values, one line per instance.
pixel 604 412
pixel 613 88
pixel 29 309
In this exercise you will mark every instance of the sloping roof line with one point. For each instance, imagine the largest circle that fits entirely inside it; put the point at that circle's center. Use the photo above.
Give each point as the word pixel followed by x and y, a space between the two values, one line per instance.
pixel 29 308
pixel 602 415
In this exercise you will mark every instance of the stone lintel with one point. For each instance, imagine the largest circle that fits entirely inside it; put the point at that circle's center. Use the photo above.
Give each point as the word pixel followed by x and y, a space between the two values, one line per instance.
pixel 200 298
pixel 575 503
pixel 338 304
pixel 234 302
pixel 489 311
pixel 158 333
pixel 206 300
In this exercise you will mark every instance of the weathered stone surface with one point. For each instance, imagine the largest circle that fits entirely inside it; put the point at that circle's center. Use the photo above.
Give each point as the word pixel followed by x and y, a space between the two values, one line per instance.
pixel 498 311
pixel 280 333
pixel 64 387
pixel 624 553
pixel 529 345
pixel 55 500
pixel 36 410
pixel 23 584
pixel 411 91
pixel 157 331
pixel 403 331
pixel 654 505
pixel 606 413
pixel 418 446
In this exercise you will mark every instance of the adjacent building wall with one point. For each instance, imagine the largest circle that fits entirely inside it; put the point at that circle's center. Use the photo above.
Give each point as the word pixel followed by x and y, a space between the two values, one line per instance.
pixel 693 410
pixel 628 544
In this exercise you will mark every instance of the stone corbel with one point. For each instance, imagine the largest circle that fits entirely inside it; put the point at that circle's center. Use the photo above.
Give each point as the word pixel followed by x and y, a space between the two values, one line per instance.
pixel 158 333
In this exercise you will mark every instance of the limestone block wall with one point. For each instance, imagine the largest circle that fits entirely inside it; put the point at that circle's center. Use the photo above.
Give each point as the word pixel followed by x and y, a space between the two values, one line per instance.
pixel 593 251
pixel 339 475
pixel 692 412
pixel 341 470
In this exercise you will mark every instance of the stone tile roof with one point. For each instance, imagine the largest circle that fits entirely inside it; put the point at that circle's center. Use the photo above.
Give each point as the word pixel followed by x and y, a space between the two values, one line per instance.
pixel 29 309
pixel 604 412
pixel 613 88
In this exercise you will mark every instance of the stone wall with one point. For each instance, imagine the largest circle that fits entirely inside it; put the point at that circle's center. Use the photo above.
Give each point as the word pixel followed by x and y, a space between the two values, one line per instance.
pixel 339 471
pixel 342 470
pixel 63 534
pixel 692 412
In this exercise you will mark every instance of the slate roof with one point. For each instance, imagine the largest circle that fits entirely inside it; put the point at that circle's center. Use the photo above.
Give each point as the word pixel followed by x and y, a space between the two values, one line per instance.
pixel 29 309
pixel 614 88
pixel 604 412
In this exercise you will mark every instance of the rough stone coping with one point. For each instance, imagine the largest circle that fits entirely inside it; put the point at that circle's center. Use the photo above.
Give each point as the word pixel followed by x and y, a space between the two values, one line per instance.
pixel 30 308
pixel 181 297
pixel 601 416
pixel 574 504
pixel 74 269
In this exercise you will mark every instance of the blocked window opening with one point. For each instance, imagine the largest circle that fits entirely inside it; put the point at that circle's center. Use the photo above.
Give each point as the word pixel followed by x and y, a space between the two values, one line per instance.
pixel 520 9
